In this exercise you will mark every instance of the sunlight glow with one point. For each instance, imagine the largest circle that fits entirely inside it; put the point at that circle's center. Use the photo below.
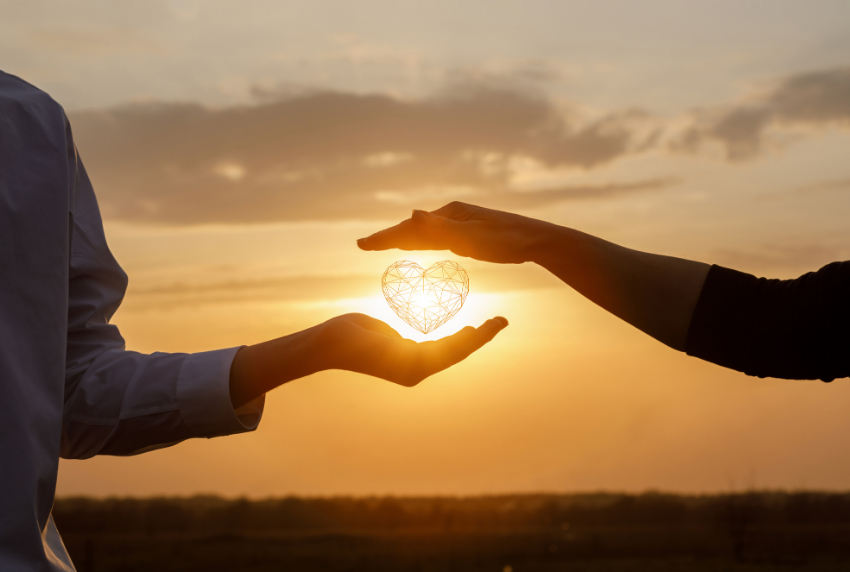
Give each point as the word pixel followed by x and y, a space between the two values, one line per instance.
pixel 230 171
pixel 478 308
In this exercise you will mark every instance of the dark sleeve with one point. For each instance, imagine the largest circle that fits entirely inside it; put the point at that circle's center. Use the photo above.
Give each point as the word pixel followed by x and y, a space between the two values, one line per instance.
pixel 792 329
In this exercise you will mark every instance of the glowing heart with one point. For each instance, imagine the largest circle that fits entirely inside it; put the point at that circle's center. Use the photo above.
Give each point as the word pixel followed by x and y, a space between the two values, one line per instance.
pixel 425 299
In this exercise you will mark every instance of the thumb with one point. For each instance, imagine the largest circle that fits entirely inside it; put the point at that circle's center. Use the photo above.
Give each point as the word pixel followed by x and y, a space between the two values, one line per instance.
pixel 424 217
pixel 452 349
pixel 456 235
pixel 488 330
pixel 471 339
pixel 422 231
pixel 434 221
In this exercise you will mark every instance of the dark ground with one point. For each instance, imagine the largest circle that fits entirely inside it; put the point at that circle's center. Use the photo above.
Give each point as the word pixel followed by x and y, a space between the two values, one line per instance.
pixel 512 533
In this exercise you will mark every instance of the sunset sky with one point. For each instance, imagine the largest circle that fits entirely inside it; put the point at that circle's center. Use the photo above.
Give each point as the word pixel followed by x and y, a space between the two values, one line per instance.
pixel 238 150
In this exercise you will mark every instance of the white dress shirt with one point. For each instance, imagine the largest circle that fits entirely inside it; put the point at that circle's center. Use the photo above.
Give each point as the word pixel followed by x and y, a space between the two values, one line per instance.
pixel 68 387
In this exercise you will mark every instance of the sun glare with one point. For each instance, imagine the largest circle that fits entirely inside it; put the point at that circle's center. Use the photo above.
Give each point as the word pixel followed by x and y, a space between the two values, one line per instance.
pixel 478 308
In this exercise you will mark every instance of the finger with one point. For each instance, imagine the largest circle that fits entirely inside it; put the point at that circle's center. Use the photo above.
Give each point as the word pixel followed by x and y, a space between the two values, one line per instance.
pixel 423 231
pixel 405 236
pixel 446 352
pixel 456 210
pixel 372 324
pixel 407 363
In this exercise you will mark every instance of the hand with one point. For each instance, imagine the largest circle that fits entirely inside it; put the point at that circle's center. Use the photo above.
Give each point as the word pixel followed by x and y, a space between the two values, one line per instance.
pixel 352 342
pixel 656 294
pixel 466 230
pixel 360 343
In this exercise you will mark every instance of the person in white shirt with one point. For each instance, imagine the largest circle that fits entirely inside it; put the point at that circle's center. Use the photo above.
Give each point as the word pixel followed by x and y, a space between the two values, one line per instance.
pixel 68 386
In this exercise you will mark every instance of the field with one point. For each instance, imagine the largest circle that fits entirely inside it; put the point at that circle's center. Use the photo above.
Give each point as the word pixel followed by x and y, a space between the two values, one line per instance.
pixel 511 533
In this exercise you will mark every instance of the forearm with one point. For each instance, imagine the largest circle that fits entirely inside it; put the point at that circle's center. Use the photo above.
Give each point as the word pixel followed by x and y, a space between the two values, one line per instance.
pixel 351 342
pixel 656 294
pixel 259 368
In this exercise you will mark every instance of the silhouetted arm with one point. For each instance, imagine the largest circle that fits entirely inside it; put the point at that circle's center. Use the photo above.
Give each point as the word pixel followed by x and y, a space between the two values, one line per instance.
pixel 793 329
pixel 656 294
pixel 117 401
pixel 353 342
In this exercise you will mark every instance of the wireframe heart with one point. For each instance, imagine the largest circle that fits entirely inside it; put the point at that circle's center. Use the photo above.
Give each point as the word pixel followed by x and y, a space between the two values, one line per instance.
pixel 425 299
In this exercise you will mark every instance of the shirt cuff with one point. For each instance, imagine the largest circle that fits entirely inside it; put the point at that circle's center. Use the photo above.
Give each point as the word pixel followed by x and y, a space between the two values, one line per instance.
pixel 203 395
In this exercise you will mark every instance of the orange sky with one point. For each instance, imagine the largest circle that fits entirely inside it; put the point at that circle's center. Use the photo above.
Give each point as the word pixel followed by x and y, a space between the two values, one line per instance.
pixel 239 149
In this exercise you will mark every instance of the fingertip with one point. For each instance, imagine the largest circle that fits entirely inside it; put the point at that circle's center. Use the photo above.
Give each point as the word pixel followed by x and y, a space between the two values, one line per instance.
pixel 491 327
pixel 371 242
pixel 499 323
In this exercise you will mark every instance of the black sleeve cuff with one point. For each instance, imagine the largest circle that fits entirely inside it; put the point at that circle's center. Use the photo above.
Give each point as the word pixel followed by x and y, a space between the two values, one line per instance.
pixel 718 328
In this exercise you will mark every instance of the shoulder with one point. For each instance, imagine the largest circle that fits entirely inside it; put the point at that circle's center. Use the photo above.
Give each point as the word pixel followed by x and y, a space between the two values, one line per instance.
pixel 831 280
pixel 30 118
pixel 19 98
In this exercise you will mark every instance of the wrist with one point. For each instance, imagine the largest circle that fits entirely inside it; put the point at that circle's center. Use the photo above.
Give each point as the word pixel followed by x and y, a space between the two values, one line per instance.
pixel 543 241
pixel 261 367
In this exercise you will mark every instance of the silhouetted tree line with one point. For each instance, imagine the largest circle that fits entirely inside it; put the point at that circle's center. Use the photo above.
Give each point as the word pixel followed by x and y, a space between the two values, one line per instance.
pixel 215 515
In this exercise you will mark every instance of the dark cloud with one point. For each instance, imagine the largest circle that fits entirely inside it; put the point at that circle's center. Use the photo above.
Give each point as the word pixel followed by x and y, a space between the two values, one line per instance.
pixel 815 99
pixel 325 155
pixel 314 155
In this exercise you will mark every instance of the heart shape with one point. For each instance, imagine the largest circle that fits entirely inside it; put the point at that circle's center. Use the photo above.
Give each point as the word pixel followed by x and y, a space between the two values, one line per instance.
pixel 425 299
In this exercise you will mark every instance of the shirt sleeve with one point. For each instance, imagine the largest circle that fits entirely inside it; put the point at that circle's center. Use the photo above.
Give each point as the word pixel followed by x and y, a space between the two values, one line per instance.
pixel 120 402
pixel 792 329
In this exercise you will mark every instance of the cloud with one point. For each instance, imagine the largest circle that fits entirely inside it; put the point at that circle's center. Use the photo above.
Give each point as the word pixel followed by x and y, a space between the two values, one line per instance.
pixel 296 289
pixel 819 188
pixel 330 155
pixel 811 99
pixel 826 186
pixel 531 199
pixel 95 41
